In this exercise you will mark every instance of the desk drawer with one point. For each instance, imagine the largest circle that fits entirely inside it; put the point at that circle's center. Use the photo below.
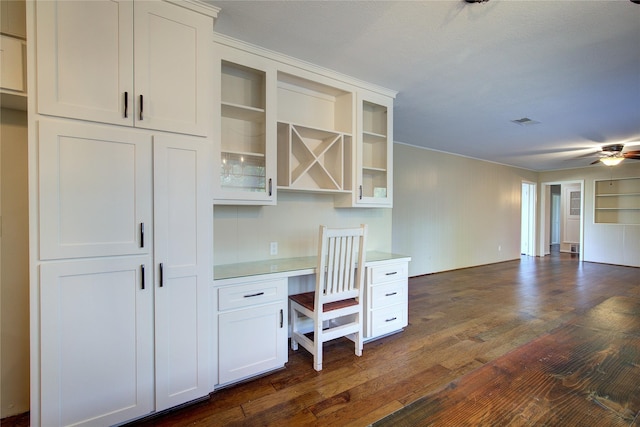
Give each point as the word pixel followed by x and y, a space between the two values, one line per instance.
pixel 388 294
pixel 255 293
pixel 387 273
pixel 388 319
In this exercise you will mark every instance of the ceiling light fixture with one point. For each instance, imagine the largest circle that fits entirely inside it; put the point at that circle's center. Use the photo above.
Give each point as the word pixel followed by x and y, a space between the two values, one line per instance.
pixel 612 160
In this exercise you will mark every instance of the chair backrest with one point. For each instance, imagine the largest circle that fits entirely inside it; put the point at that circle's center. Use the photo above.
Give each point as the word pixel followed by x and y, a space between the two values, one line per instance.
pixel 340 252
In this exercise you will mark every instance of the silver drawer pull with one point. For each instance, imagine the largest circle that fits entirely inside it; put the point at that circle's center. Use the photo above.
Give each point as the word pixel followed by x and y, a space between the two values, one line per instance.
pixel 391 274
pixel 254 295
pixel 391 320
pixel 391 294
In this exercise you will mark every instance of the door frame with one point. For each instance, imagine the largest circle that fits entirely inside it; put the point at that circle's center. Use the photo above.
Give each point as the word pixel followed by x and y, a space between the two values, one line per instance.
pixel 528 217
pixel 545 216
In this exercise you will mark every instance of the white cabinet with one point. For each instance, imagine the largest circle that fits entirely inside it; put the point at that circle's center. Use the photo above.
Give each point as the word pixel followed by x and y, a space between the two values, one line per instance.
pixel 95 190
pixel 182 248
pixel 386 298
pixel 374 153
pixel 96 347
pixel 245 136
pixel 144 64
pixel 252 328
pixel 124 326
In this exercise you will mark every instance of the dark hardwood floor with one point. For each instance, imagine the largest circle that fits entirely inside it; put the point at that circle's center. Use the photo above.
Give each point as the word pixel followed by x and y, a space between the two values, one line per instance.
pixel 459 322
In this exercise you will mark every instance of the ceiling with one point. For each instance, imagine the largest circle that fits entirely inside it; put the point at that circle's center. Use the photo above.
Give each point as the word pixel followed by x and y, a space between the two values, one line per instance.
pixel 465 71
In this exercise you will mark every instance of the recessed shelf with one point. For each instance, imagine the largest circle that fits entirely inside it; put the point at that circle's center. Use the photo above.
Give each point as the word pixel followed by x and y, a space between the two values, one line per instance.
pixel 617 201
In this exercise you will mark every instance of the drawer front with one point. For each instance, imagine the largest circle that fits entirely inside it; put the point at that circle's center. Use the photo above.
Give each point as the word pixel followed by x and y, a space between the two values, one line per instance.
pixel 388 319
pixel 389 294
pixel 255 293
pixel 387 273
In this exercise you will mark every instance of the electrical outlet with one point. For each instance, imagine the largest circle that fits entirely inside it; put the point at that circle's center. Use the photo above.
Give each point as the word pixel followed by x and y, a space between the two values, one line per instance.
pixel 273 248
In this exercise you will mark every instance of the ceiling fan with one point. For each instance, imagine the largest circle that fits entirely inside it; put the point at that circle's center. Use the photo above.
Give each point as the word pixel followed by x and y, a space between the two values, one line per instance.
pixel 612 155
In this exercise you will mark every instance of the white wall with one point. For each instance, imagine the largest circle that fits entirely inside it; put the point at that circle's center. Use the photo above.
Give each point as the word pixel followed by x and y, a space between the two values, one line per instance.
pixel 14 256
pixel 453 212
pixel 243 233
pixel 606 243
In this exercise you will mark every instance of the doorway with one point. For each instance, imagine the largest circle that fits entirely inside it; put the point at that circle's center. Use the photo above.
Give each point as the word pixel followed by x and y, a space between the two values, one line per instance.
pixel 528 225
pixel 562 218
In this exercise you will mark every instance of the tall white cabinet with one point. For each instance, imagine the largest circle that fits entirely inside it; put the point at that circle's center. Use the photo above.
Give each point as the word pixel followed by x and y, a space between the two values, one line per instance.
pixel 120 210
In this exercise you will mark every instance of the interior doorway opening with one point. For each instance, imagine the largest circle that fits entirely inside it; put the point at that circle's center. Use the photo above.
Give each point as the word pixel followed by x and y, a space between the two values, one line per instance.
pixel 562 218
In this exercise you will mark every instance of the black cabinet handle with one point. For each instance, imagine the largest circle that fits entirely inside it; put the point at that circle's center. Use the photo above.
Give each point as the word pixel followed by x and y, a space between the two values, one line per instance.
pixel 270 187
pixel 142 234
pixel 281 318
pixel 390 294
pixel 141 106
pixel 142 274
pixel 391 274
pixel 361 192
pixel 161 275
pixel 254 295
pixel 391 320
pixel 126 104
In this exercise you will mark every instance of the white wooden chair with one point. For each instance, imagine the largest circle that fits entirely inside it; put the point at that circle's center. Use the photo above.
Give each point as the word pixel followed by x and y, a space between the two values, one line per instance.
pixel 335 309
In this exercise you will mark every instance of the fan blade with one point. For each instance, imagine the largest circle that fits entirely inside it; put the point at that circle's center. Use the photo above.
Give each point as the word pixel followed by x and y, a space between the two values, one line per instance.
pixel 635 154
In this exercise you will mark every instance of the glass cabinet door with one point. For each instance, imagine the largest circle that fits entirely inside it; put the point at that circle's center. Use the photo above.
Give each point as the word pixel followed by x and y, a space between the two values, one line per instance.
pixel 246 158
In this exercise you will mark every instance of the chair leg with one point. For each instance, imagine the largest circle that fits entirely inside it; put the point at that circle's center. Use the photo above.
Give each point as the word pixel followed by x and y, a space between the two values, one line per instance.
pixel 317 343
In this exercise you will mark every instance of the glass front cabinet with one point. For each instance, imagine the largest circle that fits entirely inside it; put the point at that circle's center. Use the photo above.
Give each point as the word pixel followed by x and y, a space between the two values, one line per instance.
pixel 246 157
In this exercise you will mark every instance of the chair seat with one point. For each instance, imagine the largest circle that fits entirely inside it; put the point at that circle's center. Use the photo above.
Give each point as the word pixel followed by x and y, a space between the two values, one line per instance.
pixel 307 300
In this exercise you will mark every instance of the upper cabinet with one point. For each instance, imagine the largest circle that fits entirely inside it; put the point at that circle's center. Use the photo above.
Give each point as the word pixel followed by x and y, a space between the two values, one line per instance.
pixel 13 50
pixel 374 156
pixel 143 64
pixel 12 18
pixel 245 134
pixel 287 125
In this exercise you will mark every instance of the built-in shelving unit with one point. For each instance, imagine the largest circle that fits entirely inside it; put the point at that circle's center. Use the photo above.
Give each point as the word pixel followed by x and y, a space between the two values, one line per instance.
pixel 315 123
pixel 375 145
pixel 617 201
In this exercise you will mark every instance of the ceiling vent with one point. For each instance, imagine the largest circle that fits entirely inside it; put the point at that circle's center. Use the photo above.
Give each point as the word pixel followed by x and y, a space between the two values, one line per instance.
pixel 525 121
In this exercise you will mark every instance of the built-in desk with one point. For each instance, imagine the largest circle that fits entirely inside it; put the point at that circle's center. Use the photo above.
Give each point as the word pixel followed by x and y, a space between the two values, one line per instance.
pixel 249 305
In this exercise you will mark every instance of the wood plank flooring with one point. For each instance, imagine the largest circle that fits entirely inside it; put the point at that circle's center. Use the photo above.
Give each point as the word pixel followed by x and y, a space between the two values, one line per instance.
pixel 583 373
pixel 459 321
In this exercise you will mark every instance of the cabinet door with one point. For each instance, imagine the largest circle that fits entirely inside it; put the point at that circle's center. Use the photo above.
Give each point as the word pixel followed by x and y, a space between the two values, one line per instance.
pixel 245 135
pixel 251 341
pixel 96 348
pixel 85 60
pixel 183 217
pixel 172 68
pixel 95 190
pixel 374 151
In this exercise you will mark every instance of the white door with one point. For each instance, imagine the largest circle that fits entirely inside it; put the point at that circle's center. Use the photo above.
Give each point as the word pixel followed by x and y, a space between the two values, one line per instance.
pixel 182 214
pixel 95 190
pixel 96 330
pixel 85 59
pixel 173 68
pixel 528 218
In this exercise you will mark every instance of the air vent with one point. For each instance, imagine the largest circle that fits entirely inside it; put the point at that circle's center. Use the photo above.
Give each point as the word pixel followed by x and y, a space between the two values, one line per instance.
pixel 525 121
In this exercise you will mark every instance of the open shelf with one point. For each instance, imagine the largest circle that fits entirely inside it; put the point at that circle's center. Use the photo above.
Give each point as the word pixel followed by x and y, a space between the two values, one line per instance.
pixel 617 201
pixel 313 159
